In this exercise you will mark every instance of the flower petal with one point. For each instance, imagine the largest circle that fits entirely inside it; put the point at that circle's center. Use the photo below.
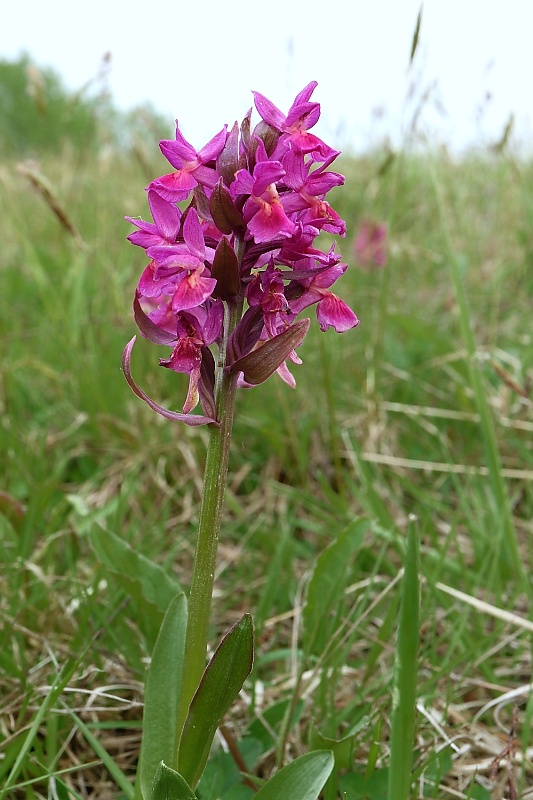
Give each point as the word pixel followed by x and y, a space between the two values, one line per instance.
pixel 214 146
pixel 286 375
pixel 192 291
pixel 148 328
pixel 332 312
pixel 177 151
pixel 302 101
pixel 268 111
pixel 269 222
pixel 193 235
pixel 265 173
pixel 175 186
pixel 188 419
pixel 166 215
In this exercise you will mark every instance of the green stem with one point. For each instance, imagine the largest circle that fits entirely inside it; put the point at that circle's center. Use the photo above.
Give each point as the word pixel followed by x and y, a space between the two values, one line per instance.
pixel 403 717
pixel 215 476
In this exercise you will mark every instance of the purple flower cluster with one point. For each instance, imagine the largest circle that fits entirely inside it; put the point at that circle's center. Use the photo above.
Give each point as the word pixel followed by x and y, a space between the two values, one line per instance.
pixel 241 250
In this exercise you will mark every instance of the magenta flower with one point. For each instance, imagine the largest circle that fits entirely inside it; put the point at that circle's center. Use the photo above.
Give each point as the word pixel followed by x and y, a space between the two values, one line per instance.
pixel 331 311
pixel 370 246
pixel 266 290
pixel 163 230
pixel 263 211
pixel 195 332
pixel 309 190
pixel 302 115
pixel 234 269
pixel 190 166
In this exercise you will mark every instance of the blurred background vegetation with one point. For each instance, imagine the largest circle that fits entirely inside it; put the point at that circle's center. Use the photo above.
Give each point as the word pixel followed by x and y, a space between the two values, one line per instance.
pixel 40 116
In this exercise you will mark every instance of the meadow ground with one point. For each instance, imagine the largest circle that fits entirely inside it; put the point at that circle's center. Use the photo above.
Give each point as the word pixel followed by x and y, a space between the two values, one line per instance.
pixel 425 410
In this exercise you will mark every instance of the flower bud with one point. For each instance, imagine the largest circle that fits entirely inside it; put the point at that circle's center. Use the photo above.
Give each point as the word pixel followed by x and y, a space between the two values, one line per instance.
pixel 228 158
pixel 261 363
pixel 226 216
pixel 267 134
pixel 200 201
pixel 245 130
pixel 226 271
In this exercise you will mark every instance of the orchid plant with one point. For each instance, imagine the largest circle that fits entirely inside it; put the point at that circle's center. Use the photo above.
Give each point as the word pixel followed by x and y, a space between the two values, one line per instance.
pixel 227 278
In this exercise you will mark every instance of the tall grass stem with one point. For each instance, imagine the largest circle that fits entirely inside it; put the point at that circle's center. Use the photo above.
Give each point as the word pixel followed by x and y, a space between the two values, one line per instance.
pixel 405 677
pixel 512 563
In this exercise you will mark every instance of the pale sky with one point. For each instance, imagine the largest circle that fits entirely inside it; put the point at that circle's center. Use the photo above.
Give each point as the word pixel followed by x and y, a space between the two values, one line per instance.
pixel 198 61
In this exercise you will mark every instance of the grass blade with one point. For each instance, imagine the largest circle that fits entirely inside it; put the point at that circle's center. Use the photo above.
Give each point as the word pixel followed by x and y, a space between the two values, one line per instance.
pixel 405 678
pixel 512 565
pixel 61 681
pixel 416 36
pixel 326 588
pixel 114 770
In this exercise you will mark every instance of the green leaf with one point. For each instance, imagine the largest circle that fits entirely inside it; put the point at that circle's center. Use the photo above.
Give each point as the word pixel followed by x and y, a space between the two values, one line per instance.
pixel 161 696
pixel 342 749
pixel 221 683
pixel 239 792
pixel 477 792
pixel 438 765
pixel 343 753
pixel 169 785
pixel 302 779
pixel 13 509
pixel 405 675
pixel 220 776
pixel 326 588
pixel 355 786
pixel 146 582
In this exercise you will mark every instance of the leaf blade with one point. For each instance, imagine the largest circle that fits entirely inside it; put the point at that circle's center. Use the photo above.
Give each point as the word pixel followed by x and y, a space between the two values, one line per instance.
pixel 302 779
pixel 221 683
pixel 170 785
pixel 155 586
pixel 162 695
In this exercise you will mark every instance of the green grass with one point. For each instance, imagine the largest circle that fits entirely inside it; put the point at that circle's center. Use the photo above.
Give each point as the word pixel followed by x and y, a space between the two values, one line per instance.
pixel 425 409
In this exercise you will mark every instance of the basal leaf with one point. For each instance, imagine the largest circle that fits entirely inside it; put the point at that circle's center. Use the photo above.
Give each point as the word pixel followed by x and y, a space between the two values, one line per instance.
pixel 146 582
pixel 357 786
pixel 221 683
pixel 302 779
pixel 342 749
pixel 161 696
pixel 169 785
